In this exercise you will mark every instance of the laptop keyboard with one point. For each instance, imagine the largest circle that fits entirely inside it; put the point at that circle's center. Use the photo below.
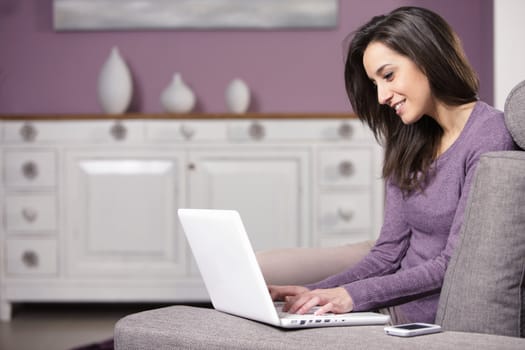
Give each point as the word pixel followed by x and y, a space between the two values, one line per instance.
pixel 279 306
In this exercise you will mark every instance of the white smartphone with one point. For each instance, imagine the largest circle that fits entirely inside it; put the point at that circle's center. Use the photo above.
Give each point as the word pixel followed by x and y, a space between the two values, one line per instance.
pixel 412 329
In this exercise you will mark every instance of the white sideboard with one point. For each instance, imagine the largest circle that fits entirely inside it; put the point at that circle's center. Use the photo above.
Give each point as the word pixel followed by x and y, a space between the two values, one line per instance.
pixel 89 204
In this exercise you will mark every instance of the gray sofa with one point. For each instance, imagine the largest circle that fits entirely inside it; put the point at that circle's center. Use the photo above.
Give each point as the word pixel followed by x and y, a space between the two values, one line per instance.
pixel 482 304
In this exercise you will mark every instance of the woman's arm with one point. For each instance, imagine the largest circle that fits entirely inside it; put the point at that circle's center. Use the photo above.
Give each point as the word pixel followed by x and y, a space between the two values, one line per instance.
pixel 427 277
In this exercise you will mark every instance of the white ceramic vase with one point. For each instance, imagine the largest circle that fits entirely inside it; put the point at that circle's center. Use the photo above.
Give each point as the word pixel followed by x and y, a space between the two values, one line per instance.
pixel 115 86
pixel 177 97
pixel 237 96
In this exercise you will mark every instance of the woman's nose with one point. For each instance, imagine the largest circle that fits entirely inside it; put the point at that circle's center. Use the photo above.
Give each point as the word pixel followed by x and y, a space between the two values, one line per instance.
pixel 384 95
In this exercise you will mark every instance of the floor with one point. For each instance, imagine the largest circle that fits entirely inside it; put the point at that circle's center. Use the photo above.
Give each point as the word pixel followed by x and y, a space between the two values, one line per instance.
pixel 63 326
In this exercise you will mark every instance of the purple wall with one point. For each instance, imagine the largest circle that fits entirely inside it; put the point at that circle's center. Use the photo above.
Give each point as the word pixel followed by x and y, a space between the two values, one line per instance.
pixel 42 71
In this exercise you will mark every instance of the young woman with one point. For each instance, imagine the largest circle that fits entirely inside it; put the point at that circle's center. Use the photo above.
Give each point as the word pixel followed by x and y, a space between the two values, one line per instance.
pixel 408 79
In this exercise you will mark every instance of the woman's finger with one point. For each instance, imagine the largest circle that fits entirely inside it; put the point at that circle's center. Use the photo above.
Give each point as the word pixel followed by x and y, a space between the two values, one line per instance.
pixel 324 309
pixel 304 303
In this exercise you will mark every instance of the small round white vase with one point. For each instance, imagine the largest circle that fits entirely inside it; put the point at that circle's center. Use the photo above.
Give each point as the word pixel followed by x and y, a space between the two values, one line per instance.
pixel 237 96
pixel 115 86
pixel 177 97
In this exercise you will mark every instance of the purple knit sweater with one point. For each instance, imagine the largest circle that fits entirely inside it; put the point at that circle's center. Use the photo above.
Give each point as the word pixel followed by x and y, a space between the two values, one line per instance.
pixel 407 265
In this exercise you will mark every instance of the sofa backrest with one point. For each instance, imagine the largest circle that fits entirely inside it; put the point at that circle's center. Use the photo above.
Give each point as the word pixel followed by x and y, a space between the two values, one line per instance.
pixel 484 286
pixel 515 114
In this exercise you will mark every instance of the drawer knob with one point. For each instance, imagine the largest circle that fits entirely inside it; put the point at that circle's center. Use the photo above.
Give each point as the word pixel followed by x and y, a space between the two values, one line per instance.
pixel 30 258
pixel 187 131
pixel 256 131
pixel 29 214
pixel 30 170
pixel 346 168
pixel 118 131
pixel 345 214
pixel 28 132
pixel 345 131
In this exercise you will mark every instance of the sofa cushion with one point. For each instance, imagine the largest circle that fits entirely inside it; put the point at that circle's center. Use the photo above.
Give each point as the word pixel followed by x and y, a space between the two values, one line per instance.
pixel 483 289
pixel 515 114
pixel 183 327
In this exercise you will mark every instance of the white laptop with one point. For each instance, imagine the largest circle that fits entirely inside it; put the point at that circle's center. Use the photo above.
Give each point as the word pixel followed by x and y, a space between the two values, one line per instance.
pixel 234 280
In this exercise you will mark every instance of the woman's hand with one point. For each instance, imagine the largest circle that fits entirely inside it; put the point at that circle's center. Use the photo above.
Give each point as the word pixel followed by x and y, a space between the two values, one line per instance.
pixel 283 292
pixel 335 300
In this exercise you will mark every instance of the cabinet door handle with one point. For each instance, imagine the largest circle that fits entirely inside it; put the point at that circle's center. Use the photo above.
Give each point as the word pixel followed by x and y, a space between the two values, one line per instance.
pixel 28 132
pixel 345 214
pixel 256 131
pixel 346 168
pixel 187 131
pixel 29 214
pixel 118 131
pixel 30 258
pixel 30 170
pixel 345 131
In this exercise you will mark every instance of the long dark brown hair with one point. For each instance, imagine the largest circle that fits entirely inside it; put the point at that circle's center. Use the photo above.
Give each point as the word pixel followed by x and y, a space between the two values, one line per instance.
pixel 428 40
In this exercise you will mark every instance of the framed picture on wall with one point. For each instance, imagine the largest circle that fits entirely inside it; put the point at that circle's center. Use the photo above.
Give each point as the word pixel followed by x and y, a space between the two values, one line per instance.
pixel 193 14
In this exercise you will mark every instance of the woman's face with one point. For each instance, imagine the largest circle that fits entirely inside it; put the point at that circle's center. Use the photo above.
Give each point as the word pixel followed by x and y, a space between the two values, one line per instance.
pixel 400 83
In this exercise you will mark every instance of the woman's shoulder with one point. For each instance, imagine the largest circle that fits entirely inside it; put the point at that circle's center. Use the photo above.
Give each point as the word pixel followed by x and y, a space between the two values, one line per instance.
pixel 488 128
pixel 488 121
pixel 484 114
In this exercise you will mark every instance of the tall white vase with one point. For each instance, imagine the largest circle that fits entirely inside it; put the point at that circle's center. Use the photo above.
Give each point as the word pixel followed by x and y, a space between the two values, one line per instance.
pixel 115 86
pixel 177 97
pixel 237 96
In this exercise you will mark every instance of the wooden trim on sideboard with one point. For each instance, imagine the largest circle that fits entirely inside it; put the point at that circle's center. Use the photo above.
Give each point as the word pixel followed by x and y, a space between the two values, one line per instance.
pixel 246 116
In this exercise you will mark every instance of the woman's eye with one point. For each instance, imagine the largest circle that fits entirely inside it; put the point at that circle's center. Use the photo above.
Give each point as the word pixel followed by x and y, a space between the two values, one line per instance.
pixel 388 76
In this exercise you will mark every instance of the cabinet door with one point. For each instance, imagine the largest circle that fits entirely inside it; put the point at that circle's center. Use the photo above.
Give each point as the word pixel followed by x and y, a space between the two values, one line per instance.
pixel 121 213
pixel 269 189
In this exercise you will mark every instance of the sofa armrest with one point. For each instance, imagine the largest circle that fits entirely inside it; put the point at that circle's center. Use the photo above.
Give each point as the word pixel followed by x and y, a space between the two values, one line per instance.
pixel 484 286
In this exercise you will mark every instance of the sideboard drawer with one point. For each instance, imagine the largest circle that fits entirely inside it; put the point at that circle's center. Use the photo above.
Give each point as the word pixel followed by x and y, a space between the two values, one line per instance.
pixel 343 212
pixel 30 168
pixel 31 256
pixel 346 167
pixel 186 130
pixel 298 130
pixel 31 213
pixel 114 131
